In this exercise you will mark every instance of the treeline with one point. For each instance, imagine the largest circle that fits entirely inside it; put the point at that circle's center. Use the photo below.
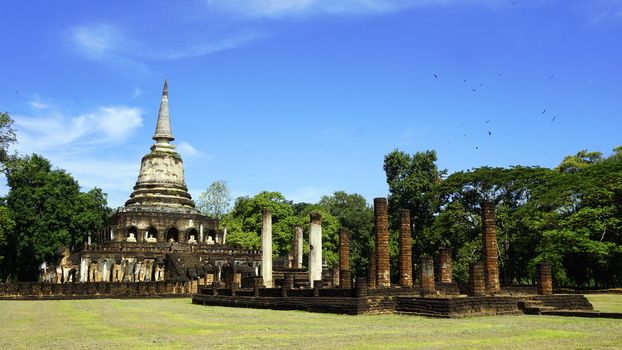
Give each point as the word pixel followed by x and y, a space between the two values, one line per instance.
pixel 44 211
pixel 570 216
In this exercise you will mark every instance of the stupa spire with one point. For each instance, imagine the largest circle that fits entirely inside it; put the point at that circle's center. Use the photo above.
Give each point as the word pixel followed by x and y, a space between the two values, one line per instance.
pixel 163 134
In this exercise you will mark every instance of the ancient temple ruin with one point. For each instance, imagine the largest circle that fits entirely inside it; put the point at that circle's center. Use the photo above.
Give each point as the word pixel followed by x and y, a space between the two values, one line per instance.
pixel 159 235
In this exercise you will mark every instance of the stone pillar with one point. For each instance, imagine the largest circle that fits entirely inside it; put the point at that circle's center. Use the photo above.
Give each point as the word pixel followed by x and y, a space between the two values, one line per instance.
pixel 315 248
pixel 477 286
pixel 266 247
pixel 345 274
pixel 489 247
pixel 201 233
pixel 406 270
pixel 544 279
pixel 297 247
pixel 360 287
pixel 426 274
pixel 383 267
pixel 446 266
pixel 372 270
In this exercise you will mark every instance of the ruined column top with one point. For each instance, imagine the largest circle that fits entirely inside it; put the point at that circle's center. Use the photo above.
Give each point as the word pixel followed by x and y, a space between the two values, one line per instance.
pixel 380 200
pixel 316 218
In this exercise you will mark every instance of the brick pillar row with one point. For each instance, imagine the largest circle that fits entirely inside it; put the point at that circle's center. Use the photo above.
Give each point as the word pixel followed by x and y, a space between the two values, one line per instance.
pixel 426 274
pixel 345 275
pixel 477 286
pixel 383 268
pixel 406 270
pixel 489 237
pixel 446 266
pixel 544 278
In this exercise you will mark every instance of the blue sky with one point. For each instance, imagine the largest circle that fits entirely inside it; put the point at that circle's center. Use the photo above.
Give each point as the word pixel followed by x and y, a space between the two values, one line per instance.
pixel 306 97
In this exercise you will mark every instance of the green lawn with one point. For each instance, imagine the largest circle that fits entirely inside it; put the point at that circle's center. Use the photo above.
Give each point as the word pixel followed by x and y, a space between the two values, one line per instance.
pixel 177 324
pixel 606 302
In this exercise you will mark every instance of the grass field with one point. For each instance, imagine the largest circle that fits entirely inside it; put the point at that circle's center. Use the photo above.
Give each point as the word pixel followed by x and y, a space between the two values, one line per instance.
pixel 177 324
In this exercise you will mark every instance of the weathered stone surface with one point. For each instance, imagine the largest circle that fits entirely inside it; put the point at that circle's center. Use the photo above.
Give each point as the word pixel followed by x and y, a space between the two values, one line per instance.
pixel 266 247
pixel 406 271
pixel 315 248
pixel 446 266
pixel 297 247
pixel 426 274
pixel 383 264
pixel 372 270
pixel 489 238
pixel 345 274
pixel 544 278
pixel 476 282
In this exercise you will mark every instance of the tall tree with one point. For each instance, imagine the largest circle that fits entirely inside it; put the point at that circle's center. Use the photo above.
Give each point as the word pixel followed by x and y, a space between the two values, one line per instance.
pixel 414 182
pixel 216 200
pixel 7 136
pixel 355 214
pixel 49 212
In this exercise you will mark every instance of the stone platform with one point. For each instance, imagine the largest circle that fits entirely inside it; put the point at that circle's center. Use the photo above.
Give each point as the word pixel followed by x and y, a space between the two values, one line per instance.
pixel 358 301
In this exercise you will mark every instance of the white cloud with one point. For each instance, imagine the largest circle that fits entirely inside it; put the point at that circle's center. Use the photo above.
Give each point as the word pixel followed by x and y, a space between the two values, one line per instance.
pixel 105 124
pixel 108 43
pixel 186 149
pixel 603 11
pixel 96 41
pixel 214 45
pixel 300 8
pixel 90 146
pixel 137 92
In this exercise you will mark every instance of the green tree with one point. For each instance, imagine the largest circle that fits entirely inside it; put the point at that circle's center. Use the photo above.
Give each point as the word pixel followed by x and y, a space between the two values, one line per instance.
pixel 414 183
pixel 244 221
pixel 355 214
pixel 7 136
pixel 215 202
pixel 581 160
pixel 49 212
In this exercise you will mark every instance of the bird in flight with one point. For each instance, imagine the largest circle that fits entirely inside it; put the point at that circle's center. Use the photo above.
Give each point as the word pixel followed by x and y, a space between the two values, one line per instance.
pixel 435 76
pixel 474 90
pixel 488 121
pixel 553 119
pixel 544 111
pixel 489 133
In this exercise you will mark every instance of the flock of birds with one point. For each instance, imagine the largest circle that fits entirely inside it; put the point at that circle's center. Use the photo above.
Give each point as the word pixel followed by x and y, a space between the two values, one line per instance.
pixel 480 85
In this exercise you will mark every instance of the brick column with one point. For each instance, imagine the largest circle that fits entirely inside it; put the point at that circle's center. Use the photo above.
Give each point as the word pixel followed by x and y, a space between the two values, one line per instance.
pixel 372 270
pixel 297 247
pixel 345 275
pixel 544 279
pixel 426 274
pixel 489 247
pixel 476 281
pixel 446 266
pixel 406 269
pixel 383 267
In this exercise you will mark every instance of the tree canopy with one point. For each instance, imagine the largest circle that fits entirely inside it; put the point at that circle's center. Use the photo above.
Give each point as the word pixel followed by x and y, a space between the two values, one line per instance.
pixel 570 216
pixel 216 200
pixel 49 212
